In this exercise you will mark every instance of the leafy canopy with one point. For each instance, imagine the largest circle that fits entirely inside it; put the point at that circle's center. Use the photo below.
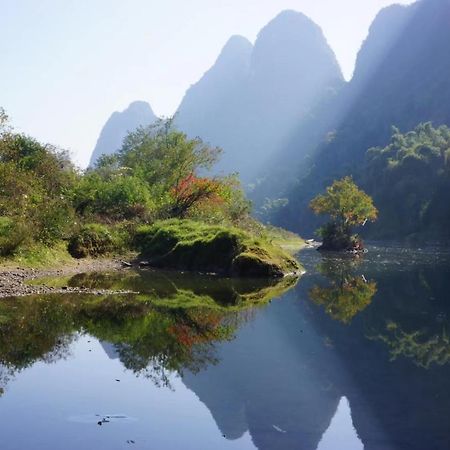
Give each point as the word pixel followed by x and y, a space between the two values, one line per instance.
pixel 345 203
pixel 410 181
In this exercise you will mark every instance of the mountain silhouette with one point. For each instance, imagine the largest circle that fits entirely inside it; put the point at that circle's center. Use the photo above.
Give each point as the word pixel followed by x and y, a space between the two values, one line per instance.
pixel 137 114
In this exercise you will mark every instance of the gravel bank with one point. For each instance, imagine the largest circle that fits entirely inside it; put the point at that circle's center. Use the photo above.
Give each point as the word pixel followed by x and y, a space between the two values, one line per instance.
pixel 13 281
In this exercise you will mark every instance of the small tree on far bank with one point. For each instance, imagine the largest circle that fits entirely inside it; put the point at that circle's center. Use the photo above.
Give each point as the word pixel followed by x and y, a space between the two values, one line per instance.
pixel 348 206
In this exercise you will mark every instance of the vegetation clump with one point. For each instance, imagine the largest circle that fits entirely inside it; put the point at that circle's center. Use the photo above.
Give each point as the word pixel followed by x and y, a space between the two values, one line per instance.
pixel 92 240
pixel 347 206
pixel 194 246
pixel 12 235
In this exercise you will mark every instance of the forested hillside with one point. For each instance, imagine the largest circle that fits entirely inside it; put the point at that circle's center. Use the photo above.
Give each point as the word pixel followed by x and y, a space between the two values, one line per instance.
pixel 410 181
pixel 401 79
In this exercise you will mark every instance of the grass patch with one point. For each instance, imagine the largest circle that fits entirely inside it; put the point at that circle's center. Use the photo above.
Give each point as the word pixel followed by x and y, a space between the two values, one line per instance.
pixel 194 246
pixel 38 257
pixel 285 239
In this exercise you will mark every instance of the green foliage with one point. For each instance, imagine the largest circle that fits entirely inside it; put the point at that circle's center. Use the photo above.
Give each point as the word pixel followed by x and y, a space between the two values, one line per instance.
pixel 158 174
pixel 425 351
pixel 162 159
pixel 347 206
pixel 92 240
pixel 189 245
pixel 35 186
pixel 12 235
pixel 345 203
pixel 112 196
pixel 155 176
pixel 410 181
pixel 346 294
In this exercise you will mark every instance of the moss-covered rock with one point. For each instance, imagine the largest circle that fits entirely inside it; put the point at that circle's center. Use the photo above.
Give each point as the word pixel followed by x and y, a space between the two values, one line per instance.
pixel 194 246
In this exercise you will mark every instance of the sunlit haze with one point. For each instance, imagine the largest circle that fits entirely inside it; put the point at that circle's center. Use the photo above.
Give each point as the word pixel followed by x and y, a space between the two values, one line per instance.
pixel 66 66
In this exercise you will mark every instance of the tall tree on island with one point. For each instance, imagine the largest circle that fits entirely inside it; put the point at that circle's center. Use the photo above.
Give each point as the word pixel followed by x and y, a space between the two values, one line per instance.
pixel 348 206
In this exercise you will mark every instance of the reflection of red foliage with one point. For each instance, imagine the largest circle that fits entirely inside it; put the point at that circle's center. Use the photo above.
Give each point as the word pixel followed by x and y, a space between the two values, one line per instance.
pixel 183 335
pixel 201 330
pixel 193 190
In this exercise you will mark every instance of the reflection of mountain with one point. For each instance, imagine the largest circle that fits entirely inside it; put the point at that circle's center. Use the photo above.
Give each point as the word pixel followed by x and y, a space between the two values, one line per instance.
pixel 270 379
pixel 109 349
pixel 282 377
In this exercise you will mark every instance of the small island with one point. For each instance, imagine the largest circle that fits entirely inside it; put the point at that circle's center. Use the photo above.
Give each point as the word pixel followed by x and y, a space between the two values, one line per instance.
pixel 348 206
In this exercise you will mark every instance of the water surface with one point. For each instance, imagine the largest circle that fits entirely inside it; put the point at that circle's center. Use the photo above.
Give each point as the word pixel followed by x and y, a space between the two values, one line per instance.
pixel 355 355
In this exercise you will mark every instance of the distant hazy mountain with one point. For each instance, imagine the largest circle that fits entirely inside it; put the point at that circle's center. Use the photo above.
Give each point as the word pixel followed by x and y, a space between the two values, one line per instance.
pixel 401 79
pixel 251 100
pixel 211 108
pixel 118 125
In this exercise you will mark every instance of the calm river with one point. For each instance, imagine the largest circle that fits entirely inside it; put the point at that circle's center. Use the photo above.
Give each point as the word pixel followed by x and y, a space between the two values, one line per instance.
pixel 355 355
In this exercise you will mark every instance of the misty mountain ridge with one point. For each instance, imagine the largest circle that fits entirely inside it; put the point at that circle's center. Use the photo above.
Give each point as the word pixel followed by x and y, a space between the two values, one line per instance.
pixel 250 106
pixel 289 123
pixel 138 113
pixel 401 79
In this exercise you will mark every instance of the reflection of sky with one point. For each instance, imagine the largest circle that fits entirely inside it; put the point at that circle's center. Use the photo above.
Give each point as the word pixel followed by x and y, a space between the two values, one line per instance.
pixel 54 406
pixel 341 433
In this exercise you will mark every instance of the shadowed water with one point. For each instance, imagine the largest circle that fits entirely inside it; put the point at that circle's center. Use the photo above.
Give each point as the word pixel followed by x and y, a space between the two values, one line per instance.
pixel 354 355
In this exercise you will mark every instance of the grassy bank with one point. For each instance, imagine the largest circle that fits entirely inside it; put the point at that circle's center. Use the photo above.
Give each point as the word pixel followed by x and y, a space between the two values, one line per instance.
pixel 195 246
pixel 288 241
pixel 38 257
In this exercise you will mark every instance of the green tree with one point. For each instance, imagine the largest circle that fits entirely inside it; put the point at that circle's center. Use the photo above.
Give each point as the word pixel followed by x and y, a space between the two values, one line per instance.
pixel 348 206
pixel 166 162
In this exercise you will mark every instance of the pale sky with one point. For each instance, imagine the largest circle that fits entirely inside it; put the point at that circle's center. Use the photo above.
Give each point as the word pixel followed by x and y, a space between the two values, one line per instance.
pixel 66 65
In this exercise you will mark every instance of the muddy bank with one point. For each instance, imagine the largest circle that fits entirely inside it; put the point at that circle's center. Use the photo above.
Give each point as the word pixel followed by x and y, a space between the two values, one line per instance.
pixel 13 281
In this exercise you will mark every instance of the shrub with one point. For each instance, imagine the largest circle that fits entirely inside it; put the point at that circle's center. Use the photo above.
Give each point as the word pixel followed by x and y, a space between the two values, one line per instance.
pixel 12 235
pixel 92 240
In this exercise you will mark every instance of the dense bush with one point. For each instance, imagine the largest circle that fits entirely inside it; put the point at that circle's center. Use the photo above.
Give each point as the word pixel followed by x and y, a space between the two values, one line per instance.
pixel 12 235
pixel 111 196
pixel 92 240
pixel 36 182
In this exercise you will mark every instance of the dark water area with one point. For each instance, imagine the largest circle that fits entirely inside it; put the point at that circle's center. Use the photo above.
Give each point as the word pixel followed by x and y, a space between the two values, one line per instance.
pixel 354 355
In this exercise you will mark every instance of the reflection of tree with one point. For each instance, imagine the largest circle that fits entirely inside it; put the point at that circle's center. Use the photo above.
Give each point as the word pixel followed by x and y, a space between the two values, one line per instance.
pixel 168 330
pixel 346 294
pixel 422 349
pixel 169 340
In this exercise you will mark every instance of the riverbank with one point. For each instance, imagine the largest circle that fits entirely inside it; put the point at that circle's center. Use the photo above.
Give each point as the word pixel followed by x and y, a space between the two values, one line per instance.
pixel 14 282
pixel 270 256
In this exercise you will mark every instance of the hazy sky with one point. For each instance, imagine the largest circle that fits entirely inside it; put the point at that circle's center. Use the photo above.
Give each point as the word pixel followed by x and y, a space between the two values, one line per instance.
pixel 66 65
